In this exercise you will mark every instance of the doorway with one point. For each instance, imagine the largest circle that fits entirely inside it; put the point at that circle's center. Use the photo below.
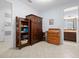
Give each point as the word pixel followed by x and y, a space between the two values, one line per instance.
pixel 5 24
pixel 70 24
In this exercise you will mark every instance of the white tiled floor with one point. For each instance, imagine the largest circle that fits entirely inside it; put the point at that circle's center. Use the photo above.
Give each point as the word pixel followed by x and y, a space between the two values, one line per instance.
pixel 44 49
pixel 3 47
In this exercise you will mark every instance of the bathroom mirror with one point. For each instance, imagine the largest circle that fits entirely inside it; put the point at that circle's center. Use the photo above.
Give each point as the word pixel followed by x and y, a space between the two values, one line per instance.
pixel 70 23
pixel 70 18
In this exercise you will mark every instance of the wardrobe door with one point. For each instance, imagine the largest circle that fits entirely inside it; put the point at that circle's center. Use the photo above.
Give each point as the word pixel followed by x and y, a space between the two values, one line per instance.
pixel 33 30
pixel 40 28
pixel 36 28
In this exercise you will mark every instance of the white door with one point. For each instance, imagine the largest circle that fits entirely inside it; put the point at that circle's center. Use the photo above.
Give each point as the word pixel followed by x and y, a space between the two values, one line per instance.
pixel 1 26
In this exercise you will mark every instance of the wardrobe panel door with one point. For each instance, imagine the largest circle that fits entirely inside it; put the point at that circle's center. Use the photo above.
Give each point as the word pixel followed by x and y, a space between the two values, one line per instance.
pixel 40 29
pixel 33 31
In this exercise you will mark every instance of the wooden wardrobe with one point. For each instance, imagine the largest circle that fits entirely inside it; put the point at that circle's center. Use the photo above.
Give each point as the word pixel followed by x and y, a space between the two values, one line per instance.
pixel 34 33
pixel 22 32
pixel 36 28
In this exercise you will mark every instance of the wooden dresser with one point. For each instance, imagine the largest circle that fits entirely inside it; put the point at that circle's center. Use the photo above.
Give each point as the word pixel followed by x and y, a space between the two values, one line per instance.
pixel 54 36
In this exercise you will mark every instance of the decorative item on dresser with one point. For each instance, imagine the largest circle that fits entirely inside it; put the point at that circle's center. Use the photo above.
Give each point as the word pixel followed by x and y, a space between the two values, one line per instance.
pixel 54 36
pixel 28 30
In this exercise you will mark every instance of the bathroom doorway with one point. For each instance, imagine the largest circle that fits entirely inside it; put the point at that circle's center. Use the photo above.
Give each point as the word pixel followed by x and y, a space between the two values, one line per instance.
pixel 70 24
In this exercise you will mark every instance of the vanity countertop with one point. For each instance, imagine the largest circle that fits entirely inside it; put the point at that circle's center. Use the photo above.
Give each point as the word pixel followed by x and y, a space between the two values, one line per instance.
pixel 69 30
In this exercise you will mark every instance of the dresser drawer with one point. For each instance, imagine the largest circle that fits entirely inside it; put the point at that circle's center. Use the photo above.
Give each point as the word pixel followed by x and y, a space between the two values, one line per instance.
pixel 53 34
pixel 54 40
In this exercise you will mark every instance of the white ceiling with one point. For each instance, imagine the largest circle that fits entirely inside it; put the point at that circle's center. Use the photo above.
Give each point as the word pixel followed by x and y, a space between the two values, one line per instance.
pixel 43 7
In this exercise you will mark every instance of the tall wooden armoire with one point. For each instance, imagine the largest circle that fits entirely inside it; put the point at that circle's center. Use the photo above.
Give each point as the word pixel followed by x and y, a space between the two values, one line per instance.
pixel 22 32
pixel 36 28
pixel 28 30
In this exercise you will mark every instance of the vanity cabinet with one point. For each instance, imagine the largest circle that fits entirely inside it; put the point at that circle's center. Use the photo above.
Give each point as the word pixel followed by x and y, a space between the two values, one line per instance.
pixel 70 36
